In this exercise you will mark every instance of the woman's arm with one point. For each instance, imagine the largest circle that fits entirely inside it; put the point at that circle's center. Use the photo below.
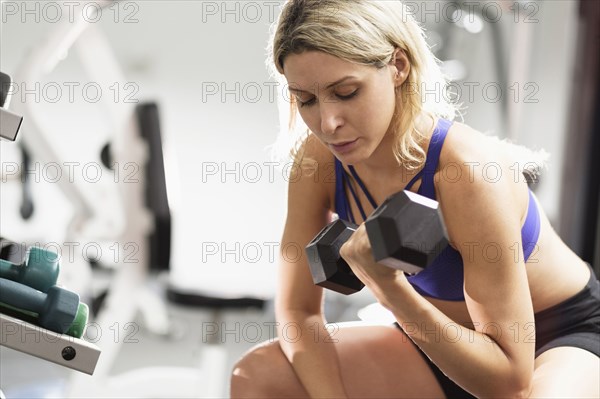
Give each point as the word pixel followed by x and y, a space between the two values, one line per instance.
pixel 483 221
pixel 301 325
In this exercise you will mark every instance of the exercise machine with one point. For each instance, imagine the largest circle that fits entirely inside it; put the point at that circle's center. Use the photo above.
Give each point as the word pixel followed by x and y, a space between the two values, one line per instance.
pixel 36 269
pixel 141 216
pixel 131 221
pixel 10 123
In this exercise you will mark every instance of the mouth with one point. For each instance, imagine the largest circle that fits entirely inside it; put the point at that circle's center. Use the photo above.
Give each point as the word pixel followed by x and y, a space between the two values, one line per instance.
pixel 343 146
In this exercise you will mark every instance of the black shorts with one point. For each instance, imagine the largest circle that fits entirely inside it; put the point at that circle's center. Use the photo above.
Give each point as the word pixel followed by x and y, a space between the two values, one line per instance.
pixel 574 322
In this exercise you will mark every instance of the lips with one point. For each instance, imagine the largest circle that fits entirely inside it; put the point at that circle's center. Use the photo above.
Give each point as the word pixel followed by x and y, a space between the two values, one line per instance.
pixel 343 146
pixel 342 143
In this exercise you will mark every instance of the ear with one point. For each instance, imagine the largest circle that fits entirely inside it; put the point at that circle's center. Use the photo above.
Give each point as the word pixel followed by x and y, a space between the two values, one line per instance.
pixel 400 66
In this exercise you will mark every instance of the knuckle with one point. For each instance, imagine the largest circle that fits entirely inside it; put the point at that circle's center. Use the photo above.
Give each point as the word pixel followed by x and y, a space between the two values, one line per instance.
pixel 344 249
pixel 347 249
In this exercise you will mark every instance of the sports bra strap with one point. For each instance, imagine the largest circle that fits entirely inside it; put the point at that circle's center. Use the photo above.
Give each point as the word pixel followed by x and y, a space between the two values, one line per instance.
pixel 363 187
pixel 356 199
pixel 431 162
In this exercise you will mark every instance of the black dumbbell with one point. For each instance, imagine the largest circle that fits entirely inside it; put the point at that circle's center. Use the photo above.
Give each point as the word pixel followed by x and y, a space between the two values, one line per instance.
pixel 56 310
pixel 328 268
pixel 406 232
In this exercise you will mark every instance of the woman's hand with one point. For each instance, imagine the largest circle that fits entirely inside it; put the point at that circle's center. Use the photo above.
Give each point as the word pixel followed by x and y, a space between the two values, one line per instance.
pixel 357 252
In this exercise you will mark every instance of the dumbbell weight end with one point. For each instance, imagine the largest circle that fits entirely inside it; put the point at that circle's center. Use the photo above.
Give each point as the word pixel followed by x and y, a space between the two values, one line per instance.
pixel 328 268
pixel 56 309
pixel 407 232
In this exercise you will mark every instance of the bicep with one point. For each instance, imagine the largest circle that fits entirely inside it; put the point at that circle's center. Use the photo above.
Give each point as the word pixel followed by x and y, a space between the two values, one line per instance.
pixel 483 221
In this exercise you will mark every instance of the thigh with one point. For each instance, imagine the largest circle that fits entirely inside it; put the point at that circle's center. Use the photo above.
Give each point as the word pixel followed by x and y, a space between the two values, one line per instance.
pixel 566 372
pixel 382 362
pixel 375 361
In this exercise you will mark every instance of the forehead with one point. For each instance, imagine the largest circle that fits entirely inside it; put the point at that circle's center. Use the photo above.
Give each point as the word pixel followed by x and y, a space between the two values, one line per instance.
pixel 310 68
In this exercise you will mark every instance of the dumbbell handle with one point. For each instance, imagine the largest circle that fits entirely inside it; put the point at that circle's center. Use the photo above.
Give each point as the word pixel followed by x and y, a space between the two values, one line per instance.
pixel 55 310
pixel 389 262
pixel 21 296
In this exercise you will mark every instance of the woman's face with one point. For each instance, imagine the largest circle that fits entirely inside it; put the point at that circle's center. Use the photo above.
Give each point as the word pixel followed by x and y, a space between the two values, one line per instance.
pixel 349 107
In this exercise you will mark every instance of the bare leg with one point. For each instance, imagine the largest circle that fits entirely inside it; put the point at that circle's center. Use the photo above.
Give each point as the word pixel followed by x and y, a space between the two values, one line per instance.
pixel 376 361
pixel 566 372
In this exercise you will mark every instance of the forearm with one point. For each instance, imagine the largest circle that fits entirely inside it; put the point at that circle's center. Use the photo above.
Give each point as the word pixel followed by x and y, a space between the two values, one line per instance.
pixel 310 349
pixel 473 359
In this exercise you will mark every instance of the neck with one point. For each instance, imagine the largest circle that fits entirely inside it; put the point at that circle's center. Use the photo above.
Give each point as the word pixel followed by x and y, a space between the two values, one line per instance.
pixel 383 162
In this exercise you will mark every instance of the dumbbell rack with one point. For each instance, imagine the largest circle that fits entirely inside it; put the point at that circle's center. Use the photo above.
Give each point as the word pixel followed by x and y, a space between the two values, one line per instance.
pixel 62 349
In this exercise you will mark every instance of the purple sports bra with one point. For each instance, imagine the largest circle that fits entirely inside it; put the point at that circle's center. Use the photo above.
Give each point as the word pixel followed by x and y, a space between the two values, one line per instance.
pixel 444 278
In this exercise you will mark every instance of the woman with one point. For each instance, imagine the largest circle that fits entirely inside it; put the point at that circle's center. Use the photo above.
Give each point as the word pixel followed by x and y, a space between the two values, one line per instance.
pixel 508 310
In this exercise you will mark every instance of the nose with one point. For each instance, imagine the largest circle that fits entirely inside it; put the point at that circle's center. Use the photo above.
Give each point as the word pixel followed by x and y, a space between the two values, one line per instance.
pixel 331 118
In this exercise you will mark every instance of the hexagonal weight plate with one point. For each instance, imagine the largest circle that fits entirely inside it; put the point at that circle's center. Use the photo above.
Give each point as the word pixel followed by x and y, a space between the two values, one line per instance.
pixel 327 267
pixel 407 232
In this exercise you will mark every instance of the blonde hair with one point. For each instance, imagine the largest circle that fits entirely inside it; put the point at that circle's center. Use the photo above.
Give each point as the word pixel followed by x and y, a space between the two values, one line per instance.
pixel 364 32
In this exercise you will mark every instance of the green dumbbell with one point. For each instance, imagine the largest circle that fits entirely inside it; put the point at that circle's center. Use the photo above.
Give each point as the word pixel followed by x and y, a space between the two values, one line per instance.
pixel 58 310
pixel 76 330
pixel 35 267
pixel 78 326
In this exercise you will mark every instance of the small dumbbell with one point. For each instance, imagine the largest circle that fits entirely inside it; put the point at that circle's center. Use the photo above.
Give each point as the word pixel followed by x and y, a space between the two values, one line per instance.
pixel 406 232
pixel 77 328
pixel 35 267
pixel 58 310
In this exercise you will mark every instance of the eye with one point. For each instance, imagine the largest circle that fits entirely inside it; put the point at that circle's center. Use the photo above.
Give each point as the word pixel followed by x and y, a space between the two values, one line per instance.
pixel 305 103
pixel 312 100
pixel 347 96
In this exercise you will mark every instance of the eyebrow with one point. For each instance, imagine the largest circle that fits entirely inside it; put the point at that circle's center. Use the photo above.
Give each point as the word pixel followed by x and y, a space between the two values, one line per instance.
pixel 337 82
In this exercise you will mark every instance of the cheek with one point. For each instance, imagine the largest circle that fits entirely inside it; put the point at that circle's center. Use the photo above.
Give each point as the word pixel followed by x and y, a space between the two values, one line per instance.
pixel 388 97
pixel 312 120
pixel 379 109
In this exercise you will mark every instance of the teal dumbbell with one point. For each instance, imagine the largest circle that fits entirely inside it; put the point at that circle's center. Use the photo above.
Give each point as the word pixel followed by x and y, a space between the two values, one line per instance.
pixel 55 310
pixel 35 267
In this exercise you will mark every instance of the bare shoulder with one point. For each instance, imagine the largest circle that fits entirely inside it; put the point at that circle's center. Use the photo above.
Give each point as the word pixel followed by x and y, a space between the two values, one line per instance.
pixel 472 147
pixel 479 174
pixel 472 157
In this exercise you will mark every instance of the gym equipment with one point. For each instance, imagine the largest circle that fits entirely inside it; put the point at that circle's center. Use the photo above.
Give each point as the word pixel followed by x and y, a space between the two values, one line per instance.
pixel 62 349
pixel 34 266
pixel 328 268
pixel 40 269
pixel 56 310
pixel 406 232
pixel 156 187
pixel 10 123
pixel 76 329
pixel 138 219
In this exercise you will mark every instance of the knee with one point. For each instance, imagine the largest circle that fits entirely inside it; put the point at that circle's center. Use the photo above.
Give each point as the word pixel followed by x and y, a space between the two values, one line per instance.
pixel 253 374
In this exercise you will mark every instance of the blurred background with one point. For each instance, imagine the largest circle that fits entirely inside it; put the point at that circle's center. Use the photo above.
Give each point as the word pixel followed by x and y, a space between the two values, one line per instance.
pixel 171 237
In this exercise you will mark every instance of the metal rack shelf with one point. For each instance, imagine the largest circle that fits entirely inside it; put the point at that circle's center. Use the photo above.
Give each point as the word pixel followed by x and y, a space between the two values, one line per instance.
pixel 62 349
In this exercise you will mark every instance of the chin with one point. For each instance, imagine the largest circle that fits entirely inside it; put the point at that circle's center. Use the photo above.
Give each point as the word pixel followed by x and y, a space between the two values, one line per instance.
pixel 351 158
